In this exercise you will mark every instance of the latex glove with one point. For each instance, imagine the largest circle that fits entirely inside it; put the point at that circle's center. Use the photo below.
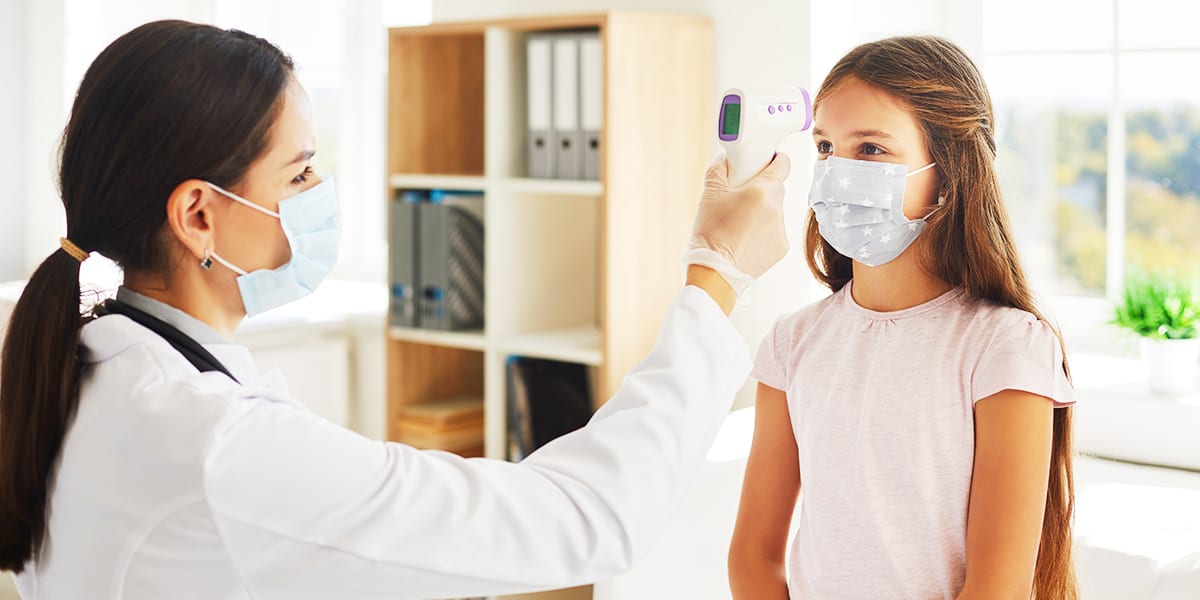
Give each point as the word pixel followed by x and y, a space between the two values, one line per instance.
pixel 739 232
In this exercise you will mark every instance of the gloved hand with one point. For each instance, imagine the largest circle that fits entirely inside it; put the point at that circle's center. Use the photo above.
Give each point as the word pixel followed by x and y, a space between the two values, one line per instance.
pixel 739 232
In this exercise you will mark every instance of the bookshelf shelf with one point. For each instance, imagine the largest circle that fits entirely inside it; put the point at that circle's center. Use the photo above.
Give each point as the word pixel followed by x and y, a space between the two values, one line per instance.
pixel 463 340
pixel 436 182
pixel 574 345
pixel 580 345
pixel 551 187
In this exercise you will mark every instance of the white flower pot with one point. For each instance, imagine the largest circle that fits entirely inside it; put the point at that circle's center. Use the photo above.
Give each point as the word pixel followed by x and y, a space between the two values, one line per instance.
pixel 1171 364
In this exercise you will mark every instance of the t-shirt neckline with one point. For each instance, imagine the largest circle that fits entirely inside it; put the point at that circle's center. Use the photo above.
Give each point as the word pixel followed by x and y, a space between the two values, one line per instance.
pixel 946 297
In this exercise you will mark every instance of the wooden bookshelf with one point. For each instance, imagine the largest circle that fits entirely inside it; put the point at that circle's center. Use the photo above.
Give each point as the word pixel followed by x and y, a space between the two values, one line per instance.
pixel 578 271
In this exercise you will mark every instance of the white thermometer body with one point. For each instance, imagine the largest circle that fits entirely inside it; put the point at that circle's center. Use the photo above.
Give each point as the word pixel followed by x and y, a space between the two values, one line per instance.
pixel 752 122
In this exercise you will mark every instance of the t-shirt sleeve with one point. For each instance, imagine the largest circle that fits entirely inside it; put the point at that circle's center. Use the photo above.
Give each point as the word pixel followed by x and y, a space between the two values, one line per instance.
pixel 1028 358
pixel 769 363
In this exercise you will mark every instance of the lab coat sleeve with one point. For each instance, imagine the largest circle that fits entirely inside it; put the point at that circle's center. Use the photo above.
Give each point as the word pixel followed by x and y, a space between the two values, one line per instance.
pixel 308 508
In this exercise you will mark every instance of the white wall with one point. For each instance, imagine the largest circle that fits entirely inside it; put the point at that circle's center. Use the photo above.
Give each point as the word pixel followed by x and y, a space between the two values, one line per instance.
pixel 842 25
pixel 45 116
pixel 13 43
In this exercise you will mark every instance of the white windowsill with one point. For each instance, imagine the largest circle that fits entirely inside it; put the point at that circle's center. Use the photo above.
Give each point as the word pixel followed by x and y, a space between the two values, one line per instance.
pixel 1117 416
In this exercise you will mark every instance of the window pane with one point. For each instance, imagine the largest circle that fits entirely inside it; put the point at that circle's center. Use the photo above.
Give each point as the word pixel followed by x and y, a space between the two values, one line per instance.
pixel 1158 24
pixel 1052 138
pixel 1037 25
pixel 1162 146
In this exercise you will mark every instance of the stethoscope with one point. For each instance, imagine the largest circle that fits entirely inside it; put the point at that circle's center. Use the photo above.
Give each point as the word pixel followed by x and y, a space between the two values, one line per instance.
pixel 200 358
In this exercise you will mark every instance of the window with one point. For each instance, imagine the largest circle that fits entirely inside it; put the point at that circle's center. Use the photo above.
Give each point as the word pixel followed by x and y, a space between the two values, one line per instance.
pixel 1098 127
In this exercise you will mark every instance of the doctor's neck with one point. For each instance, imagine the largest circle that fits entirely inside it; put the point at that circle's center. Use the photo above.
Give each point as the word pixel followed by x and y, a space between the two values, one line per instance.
pixel 186 288
pixel 896 285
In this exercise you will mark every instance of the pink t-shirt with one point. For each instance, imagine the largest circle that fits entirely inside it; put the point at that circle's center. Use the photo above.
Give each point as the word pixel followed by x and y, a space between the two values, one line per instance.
pixel 881 405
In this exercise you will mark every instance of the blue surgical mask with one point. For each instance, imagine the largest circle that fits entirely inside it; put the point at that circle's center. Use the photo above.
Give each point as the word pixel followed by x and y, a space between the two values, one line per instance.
pixel 858 205
pixel 310 222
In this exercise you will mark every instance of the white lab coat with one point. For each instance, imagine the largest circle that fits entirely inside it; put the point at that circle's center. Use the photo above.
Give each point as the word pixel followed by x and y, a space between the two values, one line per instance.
pixel 176 484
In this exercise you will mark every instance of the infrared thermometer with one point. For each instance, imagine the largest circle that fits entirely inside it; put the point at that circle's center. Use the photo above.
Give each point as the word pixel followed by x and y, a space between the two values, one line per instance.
pixel 752 122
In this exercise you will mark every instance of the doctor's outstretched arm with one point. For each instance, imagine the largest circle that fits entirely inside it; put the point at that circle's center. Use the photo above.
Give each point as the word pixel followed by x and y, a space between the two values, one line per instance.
pixel 309 509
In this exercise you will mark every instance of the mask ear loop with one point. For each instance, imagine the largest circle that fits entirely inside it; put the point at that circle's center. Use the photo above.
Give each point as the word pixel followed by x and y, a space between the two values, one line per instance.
pixel 941 201
pixel 242 201
pixel 921 170
pixel 227 264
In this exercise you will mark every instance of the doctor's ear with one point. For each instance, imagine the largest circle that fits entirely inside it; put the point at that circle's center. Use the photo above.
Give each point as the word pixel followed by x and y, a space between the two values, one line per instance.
pixel 189 216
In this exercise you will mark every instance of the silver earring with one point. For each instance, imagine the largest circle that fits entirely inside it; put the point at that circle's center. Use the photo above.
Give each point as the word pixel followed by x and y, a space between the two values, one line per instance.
pixel 206 262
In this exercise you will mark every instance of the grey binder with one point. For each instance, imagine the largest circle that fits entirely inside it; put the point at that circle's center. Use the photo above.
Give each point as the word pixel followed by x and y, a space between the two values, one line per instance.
pixel 591 101
pixel 540 153
pixel 568 137
pixel 452 264
pixel 403 259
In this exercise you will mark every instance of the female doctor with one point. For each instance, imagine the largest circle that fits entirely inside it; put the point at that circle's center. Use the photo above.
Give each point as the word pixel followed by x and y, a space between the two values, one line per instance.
pixel 143 456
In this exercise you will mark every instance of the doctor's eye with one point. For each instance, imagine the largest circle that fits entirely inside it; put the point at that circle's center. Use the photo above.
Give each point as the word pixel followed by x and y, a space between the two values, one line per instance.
pixel 303 177
pixel 824 147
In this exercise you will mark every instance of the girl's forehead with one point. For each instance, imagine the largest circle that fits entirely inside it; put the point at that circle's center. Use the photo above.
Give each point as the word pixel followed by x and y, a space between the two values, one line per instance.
pixel 854 105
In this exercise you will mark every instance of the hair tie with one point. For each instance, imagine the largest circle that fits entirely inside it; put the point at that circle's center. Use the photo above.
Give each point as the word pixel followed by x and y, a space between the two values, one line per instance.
pixel 75 251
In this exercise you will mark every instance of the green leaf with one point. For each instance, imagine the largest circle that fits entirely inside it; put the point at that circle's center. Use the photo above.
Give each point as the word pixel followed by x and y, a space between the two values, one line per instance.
pixel 1159 306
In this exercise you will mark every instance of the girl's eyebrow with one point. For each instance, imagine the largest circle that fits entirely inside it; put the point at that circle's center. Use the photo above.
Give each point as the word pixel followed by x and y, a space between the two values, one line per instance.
pixel 864 133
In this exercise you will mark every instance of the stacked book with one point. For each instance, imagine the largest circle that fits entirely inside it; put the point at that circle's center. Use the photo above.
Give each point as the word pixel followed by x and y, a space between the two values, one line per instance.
pixel 454 425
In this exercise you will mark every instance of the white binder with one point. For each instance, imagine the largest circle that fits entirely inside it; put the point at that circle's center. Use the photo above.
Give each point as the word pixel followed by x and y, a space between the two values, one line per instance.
pixel 568 137
pixel 541 151
pixel 591 101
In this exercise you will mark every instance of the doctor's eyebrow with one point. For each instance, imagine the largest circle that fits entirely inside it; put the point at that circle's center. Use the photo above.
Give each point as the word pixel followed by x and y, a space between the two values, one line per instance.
pixel 862 133
pixel 303 156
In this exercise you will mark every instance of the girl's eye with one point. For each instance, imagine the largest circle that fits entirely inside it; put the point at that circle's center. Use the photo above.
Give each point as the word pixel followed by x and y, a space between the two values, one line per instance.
pixel 872 150
pixel 303 177
pixel 824 147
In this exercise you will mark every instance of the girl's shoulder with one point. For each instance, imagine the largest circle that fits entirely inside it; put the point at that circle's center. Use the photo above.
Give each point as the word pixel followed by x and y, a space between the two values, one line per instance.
pixel 1009 329
pixel 782 344
pixel 813 311
pixel 789 327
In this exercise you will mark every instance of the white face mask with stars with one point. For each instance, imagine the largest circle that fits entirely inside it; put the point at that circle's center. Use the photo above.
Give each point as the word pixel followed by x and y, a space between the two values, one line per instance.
pixel 858 204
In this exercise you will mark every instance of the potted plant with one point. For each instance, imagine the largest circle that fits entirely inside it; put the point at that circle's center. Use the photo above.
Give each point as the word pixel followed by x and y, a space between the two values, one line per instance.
pixel 1165 312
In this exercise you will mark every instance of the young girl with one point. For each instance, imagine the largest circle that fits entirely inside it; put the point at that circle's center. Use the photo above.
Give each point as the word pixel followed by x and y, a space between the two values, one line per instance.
pixel 925 404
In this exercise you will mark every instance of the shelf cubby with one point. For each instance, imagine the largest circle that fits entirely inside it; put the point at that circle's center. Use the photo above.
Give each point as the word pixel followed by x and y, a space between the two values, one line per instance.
pixel 435 102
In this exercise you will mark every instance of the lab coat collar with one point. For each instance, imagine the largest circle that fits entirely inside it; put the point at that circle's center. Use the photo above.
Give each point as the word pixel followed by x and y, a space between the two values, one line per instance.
pixel 239 362
pixel 190 326
pixel 110 335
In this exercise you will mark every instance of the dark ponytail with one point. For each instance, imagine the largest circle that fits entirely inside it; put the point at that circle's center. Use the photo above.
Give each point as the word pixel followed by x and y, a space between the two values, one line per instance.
pixel 164 103
pixel 40 361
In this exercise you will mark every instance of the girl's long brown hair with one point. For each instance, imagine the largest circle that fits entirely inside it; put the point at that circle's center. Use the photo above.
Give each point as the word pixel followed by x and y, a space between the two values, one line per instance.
pixel 970 242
